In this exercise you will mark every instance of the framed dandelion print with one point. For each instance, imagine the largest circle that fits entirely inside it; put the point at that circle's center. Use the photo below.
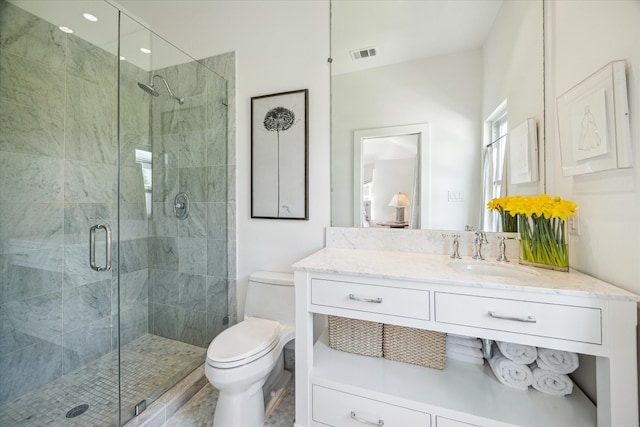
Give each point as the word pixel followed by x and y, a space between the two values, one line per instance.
pixel 279 155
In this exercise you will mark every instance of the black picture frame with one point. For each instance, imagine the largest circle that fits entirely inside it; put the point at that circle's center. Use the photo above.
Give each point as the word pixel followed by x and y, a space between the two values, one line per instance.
pixel 280 155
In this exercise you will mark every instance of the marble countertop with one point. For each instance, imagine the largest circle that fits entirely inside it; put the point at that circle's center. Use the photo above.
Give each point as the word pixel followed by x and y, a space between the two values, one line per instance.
pixel 435 268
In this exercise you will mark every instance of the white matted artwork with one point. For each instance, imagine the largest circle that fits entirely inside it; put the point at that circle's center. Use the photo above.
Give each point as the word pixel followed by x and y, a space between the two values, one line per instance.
pixel 593 123
pixel 523 153
pixel 279 155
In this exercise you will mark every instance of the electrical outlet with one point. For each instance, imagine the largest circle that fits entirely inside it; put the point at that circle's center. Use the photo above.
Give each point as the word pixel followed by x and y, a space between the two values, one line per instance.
pixel 574 224
pixel 455 196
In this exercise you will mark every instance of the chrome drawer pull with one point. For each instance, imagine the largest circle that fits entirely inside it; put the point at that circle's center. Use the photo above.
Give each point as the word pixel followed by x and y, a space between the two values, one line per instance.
pixel 528 319
pixel 365 421
pixel 355 298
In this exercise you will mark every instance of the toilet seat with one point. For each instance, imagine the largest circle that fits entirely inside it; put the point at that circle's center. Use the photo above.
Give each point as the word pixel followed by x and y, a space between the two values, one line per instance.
pixel 243 343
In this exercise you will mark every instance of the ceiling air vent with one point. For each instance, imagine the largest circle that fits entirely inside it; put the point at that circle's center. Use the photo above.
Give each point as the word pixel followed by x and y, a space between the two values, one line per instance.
pixel 363 53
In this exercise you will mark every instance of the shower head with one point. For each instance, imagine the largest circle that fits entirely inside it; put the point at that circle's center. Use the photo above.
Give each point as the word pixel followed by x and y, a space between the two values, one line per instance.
pixel 151 89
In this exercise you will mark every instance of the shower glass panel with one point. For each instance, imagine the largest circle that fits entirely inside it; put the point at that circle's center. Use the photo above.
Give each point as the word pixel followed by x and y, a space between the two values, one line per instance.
pixel 83 146
pixel 173 212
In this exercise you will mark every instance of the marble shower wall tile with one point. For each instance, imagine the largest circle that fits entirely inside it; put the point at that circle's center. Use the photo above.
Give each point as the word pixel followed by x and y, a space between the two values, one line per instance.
pixel 163 253
pixel 90 131
pixel 217 295
pixel 180 324
pixel 89 182
pixel 80 217
pixel 196 224
pixel 30 130
pixel 86 304
pixel 39 317
pixel 86 344
pixel 30 226
pixel 30 179
pixel 29 368
pixel 91 63
pixel 192 255
pixel 32 38
pixel 217 257
pixel 30 273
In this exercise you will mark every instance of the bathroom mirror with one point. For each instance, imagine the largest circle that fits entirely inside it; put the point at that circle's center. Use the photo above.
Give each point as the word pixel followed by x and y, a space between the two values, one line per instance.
pixel 448 65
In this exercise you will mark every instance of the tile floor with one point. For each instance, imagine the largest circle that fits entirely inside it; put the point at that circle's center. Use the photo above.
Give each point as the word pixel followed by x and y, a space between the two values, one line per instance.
pixel 198 412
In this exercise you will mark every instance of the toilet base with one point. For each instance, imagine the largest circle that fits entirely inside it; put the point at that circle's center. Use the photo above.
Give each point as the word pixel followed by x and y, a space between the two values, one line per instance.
pixel 240 409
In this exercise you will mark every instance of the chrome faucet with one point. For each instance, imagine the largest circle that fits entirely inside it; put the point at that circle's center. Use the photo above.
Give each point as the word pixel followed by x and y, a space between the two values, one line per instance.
pixel 503 247
pixel 481 238
pixel 456 246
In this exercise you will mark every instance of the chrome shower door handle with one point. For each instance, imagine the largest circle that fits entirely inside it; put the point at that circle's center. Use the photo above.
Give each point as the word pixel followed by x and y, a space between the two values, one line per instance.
pixel 92 247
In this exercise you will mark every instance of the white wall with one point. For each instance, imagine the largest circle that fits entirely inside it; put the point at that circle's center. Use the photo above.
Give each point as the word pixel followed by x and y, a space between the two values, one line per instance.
pixel 281 46
pixel 582 37
pixel 444 92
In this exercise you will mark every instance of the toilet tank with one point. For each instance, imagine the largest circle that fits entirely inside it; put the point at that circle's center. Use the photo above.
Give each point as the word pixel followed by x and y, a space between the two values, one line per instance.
pixel 270 295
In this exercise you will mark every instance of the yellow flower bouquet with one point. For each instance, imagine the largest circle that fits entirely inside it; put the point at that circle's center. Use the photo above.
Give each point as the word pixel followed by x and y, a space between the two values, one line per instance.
pixel 542 228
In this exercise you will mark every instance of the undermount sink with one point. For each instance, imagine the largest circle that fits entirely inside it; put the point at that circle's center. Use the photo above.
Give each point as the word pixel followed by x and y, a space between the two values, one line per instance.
pixel 492 269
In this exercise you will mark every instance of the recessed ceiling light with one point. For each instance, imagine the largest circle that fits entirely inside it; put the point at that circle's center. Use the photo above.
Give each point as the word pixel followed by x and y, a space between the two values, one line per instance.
pixel 144 50
pixel 122 58
pixel 90 17
pixel 65 29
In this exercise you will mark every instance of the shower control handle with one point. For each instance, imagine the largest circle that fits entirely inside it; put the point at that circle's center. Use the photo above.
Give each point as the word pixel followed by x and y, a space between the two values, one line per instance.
pixel 92 247
pixel 181 206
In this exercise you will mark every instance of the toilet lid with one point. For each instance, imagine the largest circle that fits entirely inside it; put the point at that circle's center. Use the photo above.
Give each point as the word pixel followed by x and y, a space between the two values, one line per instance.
pixel 243 342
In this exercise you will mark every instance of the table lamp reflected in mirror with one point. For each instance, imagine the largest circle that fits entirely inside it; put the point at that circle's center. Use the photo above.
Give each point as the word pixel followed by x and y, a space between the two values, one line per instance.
pixel 400 201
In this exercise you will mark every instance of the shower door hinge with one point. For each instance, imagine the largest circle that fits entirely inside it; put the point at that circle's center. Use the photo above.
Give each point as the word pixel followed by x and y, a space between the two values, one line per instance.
pixel 140 407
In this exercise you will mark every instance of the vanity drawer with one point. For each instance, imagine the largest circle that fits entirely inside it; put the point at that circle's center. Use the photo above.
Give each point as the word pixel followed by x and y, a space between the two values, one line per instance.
pixel 567 322
pixel 336 408
pixel 400 302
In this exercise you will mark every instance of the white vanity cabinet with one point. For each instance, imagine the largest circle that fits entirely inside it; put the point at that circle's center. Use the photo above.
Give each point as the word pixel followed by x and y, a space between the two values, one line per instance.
pixel 566 311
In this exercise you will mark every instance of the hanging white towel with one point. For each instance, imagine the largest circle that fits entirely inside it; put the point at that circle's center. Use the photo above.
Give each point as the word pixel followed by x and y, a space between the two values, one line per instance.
pixel 519 353
pixel 551 382
pixel 510 373
pixel 462 340
pixel 561 362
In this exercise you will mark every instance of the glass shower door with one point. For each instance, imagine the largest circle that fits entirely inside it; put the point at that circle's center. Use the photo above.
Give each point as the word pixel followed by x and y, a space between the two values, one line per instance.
pixel 58 179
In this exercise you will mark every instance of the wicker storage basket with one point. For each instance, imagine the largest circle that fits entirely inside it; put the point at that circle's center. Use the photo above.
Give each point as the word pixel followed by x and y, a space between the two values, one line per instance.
pixel 355 336
pixel 416 346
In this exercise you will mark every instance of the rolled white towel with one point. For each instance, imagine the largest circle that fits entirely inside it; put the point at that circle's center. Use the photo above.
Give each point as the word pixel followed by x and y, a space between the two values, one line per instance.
pixel 551 382
pixel 470 351
pixel 466 341
pixel 510 373
pixel 465 357
pixel 519 353
pixel 559 361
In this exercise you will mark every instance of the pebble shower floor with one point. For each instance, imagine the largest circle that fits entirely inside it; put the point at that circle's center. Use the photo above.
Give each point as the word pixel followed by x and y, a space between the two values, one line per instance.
pixel 150 365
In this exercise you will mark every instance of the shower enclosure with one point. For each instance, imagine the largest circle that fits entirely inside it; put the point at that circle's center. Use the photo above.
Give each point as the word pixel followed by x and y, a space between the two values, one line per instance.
pixel 113 213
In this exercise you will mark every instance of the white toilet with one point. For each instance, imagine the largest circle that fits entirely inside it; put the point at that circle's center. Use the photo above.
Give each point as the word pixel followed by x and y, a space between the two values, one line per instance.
pixel 245 362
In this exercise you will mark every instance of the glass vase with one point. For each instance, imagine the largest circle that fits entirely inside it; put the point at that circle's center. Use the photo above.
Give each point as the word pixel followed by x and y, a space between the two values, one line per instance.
pixel 543 242
pixel 509 222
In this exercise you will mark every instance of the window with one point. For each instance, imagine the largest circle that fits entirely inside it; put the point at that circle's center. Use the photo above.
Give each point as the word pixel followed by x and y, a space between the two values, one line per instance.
pixel 495 144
